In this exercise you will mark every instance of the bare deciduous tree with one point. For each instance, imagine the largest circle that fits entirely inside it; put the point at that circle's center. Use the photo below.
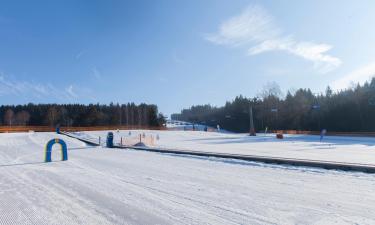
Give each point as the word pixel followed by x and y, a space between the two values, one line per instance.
pixel 271 89
pixel 22 118
pixel 9 117
pixel 52 116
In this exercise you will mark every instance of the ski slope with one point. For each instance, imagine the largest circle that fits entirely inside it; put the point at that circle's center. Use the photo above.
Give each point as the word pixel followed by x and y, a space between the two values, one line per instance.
pixel 114 186
pixel 333 148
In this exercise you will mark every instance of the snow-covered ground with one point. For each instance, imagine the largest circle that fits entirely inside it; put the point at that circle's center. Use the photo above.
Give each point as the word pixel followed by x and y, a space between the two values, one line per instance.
pixel 332 148
pixel 113 186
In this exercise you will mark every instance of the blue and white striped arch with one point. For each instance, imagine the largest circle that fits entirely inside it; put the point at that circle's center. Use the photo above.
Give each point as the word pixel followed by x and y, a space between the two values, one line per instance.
pixel 64 149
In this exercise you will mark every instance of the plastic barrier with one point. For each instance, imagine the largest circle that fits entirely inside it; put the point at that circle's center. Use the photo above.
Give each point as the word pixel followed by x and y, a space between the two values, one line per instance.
pixel 64 149
pixel 109 142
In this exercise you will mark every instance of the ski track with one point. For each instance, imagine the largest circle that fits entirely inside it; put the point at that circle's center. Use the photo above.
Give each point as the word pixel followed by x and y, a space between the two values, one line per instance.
pixel 112 186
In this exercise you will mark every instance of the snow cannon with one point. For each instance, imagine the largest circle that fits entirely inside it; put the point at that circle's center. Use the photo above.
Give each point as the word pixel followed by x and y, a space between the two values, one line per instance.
pixel 109 142
pixel 64 149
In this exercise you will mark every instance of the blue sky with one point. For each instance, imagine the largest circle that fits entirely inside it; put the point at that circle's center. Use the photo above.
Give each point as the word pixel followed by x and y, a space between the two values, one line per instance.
pixel 179 53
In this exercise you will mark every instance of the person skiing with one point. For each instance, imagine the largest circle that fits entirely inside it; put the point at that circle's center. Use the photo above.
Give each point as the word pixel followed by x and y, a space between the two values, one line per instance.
pixel 322 133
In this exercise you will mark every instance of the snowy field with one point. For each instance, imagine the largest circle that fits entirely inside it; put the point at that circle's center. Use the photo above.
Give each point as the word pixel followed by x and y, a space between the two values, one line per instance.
pixel 113 186
pixel 332 148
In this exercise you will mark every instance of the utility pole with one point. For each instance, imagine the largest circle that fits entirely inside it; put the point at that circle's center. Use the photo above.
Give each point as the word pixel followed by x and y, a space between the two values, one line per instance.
pixel 252 129
pixel 120 115
pixel 316 107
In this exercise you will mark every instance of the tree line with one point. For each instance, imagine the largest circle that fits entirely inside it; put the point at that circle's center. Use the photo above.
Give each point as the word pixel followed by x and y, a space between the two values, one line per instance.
pixel 348 110
pixel 81 115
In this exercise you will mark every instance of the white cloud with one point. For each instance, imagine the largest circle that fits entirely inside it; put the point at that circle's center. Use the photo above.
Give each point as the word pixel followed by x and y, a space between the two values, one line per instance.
pixel 255 29
pixel 360 75
pixel 79 55
pixel 69 90
pixel 253 24
pixel 32 90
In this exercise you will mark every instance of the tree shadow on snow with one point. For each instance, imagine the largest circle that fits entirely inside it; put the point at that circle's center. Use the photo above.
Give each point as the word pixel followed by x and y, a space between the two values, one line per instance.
pixel 313 140
pixel 26 163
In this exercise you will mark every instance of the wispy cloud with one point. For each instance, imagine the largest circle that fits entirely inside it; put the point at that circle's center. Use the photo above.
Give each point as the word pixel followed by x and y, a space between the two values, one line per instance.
pixel 29 90
pixel 256 30
pixel 360 75
pixel 96 73
pixel 71 92
pixel 79 55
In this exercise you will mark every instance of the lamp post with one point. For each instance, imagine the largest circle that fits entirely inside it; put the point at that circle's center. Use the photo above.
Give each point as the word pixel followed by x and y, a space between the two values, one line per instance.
pixel 252 129
pixel 316 106
pixel 275 110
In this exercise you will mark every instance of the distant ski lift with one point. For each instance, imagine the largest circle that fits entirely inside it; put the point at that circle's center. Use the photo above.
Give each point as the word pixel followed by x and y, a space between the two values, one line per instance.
pixel 316 106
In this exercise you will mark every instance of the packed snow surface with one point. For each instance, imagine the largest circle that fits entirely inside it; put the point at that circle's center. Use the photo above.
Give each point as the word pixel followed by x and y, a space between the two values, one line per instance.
pixel 118 186
pixel 331 148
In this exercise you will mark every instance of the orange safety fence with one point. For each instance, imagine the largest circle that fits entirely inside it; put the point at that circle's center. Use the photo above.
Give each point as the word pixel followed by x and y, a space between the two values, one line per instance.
pixel 6 129
pixel 148 140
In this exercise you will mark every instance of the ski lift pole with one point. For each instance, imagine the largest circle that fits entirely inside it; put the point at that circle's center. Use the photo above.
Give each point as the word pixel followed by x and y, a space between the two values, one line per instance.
pixel 252 130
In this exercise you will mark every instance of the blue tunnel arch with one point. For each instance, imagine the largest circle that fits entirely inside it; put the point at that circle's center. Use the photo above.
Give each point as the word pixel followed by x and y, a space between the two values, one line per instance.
pixel 64 149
